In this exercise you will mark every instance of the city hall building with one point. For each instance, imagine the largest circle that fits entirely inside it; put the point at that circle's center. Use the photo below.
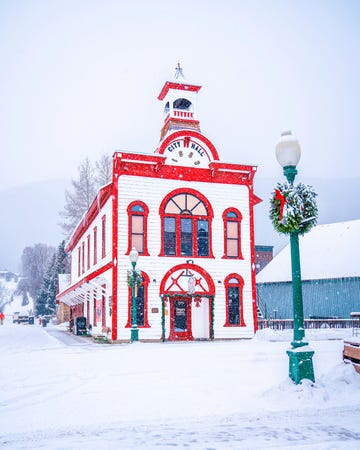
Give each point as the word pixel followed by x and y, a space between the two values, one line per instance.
pixel 190 217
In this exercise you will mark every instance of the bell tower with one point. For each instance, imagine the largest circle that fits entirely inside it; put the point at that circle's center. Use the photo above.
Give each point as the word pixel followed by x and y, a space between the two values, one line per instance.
pixel 180 105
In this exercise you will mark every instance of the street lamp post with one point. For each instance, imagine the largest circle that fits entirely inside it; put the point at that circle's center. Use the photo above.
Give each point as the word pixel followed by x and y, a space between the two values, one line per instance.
pixel 288 154
pixel 134 328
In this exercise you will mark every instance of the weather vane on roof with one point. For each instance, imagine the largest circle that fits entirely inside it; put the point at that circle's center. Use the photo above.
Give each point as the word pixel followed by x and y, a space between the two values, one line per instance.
pixel 178 72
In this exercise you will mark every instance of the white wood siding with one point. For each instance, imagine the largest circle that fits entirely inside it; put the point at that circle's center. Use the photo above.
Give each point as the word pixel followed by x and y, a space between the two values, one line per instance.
pixel 152 191
pixel 107 211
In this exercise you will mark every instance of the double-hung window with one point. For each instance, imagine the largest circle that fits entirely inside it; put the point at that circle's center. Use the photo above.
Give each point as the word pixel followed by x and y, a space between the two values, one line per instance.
pixel 137 235
pixel 234 301
pixel 232 233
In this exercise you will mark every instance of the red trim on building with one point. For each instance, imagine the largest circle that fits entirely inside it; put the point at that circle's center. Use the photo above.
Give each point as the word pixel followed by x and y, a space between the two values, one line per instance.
pixel 94 308
pixel 253 200
pixel 236 220
pixel 178 86
pixel 95 245
pixel 240 285
pixel 103 236
pixel 209 218
pixel 83 257
pixel 194 268
pixel 145 283
pixel 154 166
pixel 115 239
pixel 88 252
pixel 186 133
pixel 103 306
pixel 99 201
pixel 176 335
pixel 145 226
pixel 84 280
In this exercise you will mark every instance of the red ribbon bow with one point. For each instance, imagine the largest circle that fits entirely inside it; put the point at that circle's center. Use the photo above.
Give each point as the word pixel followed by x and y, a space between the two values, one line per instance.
pixel 279 196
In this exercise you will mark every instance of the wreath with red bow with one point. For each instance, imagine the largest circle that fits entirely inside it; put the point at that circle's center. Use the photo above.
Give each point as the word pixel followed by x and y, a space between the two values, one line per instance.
pixel 293 208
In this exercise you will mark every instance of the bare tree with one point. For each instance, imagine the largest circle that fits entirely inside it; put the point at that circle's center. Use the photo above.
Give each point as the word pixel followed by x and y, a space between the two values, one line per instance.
pixel 103 170
pixel 84 190
pixel 80 197
pixel 35 261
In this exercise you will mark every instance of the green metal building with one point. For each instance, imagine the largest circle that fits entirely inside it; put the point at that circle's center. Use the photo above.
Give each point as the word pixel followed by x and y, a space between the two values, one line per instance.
pixel 330 273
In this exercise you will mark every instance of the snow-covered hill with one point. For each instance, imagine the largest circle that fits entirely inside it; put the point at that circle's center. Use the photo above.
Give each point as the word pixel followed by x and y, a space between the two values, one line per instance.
pixel 10 301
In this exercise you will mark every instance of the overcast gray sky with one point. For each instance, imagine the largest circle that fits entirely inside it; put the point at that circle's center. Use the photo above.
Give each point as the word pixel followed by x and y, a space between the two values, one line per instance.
pixel 81 77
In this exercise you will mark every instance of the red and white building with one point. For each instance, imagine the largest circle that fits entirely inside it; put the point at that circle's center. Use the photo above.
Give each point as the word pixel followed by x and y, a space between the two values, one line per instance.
pixel 191 218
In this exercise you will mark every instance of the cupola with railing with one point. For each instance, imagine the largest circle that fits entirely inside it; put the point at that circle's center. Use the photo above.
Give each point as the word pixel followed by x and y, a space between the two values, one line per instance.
pixel 180 100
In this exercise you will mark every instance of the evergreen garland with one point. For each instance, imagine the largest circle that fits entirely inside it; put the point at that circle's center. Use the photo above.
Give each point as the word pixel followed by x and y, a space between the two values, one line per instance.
pixel 293 208
pixel 134 282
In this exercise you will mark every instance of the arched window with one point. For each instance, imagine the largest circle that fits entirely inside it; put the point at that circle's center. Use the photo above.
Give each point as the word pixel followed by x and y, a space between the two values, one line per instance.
pixel 234 301
pixel 182 103
pixel 232 233
pixel 186 224
pixel 141 294
pixel 137 236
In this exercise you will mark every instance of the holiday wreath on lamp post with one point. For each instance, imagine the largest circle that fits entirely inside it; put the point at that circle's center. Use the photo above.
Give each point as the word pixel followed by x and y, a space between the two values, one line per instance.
pixel 293 208
pixel 134 278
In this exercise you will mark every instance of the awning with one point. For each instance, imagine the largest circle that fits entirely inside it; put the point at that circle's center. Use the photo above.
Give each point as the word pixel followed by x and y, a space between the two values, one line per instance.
pixel 82 291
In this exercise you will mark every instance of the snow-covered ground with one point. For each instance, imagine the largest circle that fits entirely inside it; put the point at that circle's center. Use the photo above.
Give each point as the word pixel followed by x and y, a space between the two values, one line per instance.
pixel 60 391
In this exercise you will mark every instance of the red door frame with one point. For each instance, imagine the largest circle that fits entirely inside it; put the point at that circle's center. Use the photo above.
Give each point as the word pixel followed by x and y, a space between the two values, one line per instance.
pixel 171 295
pixel 180 335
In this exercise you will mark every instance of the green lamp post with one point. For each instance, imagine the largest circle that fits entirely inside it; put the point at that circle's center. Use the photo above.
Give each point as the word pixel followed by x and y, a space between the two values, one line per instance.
pixel 134 328
pixel 288 154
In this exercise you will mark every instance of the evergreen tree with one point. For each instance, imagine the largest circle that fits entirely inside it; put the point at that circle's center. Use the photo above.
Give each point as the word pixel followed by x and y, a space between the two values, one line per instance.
pixel 46 299
pixel 62 263
pixel 25 299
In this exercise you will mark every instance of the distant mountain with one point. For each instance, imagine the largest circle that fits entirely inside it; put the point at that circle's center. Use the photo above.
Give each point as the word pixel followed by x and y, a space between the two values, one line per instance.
pixel 29 215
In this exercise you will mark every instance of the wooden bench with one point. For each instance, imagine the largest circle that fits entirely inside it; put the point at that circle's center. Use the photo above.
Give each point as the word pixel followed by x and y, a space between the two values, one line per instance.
pixel 104 337
pixel 351 353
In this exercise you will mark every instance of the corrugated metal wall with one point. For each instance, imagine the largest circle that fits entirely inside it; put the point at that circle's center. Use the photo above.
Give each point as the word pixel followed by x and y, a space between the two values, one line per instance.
pixel 324 298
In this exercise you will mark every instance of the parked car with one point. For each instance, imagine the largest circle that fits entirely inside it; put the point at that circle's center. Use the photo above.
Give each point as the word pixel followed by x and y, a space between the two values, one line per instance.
pixel 21 317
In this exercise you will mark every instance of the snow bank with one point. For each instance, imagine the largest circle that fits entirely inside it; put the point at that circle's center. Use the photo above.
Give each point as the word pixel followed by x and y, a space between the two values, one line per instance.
pixel 65 390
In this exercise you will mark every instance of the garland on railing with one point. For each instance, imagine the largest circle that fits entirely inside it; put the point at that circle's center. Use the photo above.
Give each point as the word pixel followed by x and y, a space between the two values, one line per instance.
pixel 293 208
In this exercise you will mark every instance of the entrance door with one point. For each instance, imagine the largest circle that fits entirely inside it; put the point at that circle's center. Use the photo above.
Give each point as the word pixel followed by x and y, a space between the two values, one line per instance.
pixel 180 319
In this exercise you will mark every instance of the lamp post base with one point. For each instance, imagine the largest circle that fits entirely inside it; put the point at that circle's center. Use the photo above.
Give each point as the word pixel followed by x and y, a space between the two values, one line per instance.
pixel 134 335
pixel 301 365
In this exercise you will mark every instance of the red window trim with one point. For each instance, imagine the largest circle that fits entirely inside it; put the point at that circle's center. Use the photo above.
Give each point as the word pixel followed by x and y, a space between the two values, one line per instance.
pixel 146 286
pixel 94 308
pixel 237 220
pixel 103 306
pixel 88 308
pixel 145 216
pixel 177 217
pixel 88 252
pixel 240 285
pixel 83 257
pixel 79 261
pixel 103 236
pixel 95 245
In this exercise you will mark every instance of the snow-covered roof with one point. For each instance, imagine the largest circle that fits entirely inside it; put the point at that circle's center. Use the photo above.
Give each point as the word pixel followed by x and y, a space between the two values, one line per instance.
pixel 327 251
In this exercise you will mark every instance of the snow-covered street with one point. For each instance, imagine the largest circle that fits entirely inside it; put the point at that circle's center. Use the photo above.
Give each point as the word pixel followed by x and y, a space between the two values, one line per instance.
pixel 61 391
